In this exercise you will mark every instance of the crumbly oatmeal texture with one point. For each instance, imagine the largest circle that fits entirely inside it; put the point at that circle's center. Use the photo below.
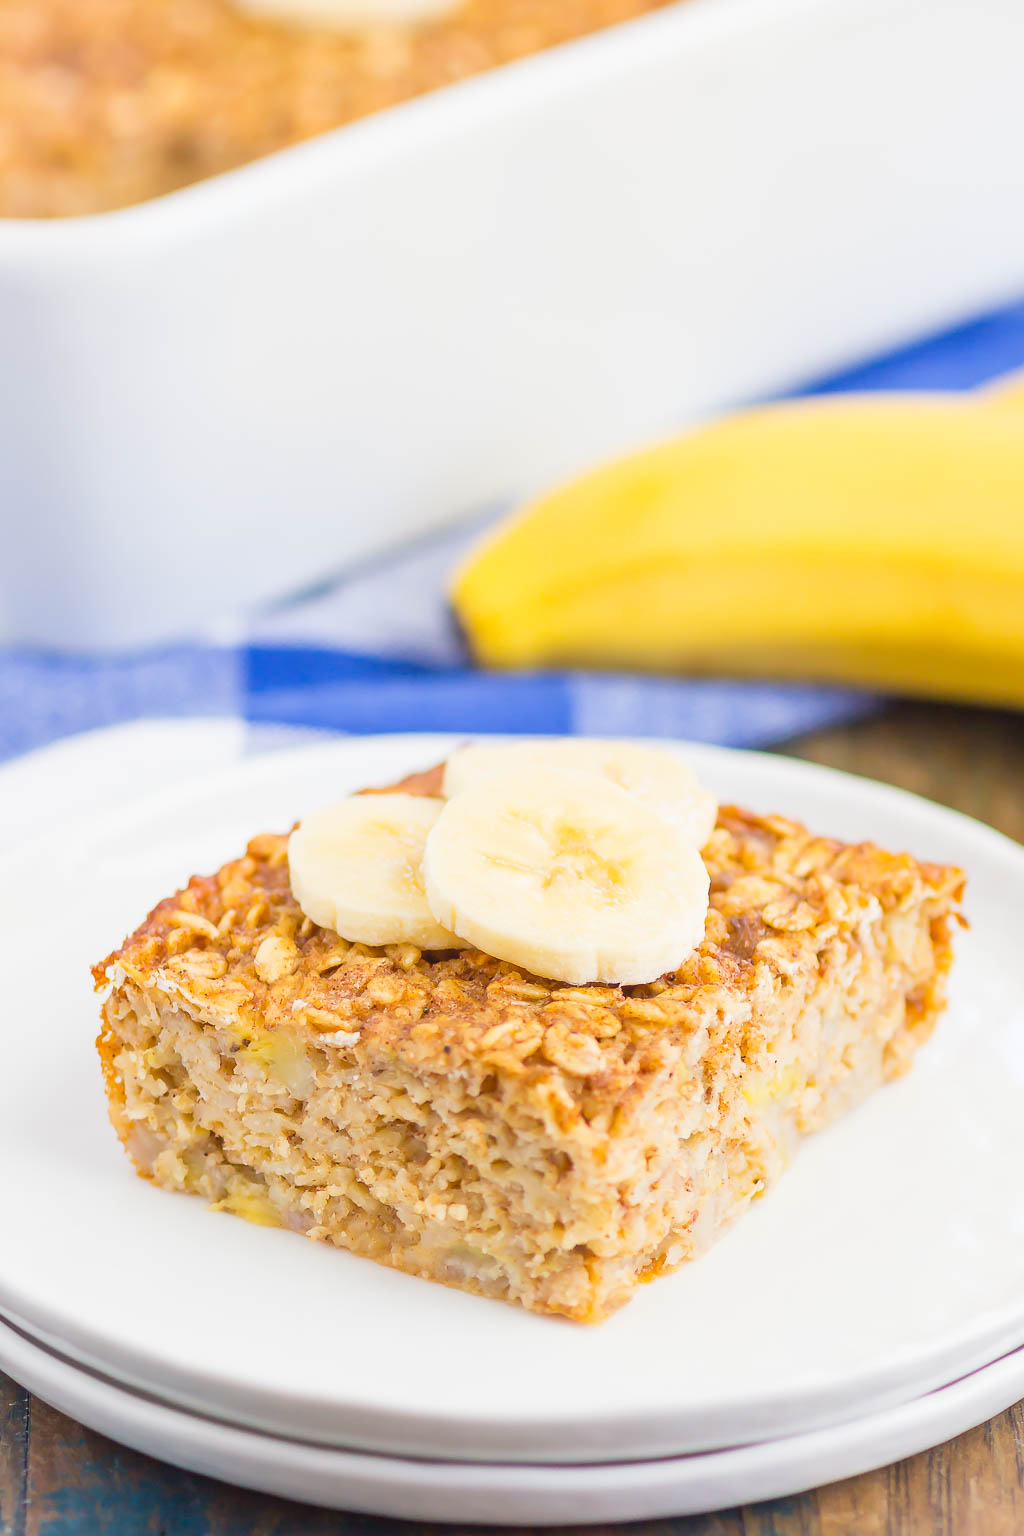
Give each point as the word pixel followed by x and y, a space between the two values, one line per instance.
pixel 111 102
pixel 545 1144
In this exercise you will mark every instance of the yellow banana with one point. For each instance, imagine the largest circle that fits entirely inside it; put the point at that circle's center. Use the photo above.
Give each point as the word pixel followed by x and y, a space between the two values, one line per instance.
pixel 1005 391
pixel 877 539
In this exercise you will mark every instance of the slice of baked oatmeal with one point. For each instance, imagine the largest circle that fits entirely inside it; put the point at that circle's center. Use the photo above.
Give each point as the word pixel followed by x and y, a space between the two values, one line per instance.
pixel 546 1144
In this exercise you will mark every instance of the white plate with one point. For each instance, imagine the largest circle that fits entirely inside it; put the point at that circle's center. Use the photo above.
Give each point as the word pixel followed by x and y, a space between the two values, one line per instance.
pixel 511 1495
pixel 889 1260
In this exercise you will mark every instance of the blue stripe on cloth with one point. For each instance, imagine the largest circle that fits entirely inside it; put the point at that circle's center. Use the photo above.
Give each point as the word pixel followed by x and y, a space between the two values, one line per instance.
pixel 297 686
pixel 45 696
pixel 377 651
pixel 971 354
pixel 300 686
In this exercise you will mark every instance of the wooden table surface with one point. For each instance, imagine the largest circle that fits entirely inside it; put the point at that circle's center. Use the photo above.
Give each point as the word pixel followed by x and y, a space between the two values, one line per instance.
pixel 57 1479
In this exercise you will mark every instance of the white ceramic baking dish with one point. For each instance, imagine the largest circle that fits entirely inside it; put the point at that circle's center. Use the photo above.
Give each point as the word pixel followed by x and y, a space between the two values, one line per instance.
pixel 233 391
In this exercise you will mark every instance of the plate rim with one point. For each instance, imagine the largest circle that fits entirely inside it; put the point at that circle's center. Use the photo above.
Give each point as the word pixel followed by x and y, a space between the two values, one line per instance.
pixel 646 1489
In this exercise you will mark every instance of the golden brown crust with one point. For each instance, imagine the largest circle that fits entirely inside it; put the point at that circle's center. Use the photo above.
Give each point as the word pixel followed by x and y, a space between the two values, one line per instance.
pixel 427 782
pixel 110 102
pixel 782 901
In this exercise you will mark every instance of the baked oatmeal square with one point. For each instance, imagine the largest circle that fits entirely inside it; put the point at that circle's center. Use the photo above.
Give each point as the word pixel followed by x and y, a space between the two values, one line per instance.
pixel 465 1121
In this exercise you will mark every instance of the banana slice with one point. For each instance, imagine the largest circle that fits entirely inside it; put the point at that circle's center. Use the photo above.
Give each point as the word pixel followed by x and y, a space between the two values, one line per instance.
pixel 356 867
pixel 566 875
pixel 658 778
pixel 350 14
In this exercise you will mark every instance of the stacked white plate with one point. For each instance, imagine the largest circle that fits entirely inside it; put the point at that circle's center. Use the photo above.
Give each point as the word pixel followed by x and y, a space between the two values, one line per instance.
pixel 869 1307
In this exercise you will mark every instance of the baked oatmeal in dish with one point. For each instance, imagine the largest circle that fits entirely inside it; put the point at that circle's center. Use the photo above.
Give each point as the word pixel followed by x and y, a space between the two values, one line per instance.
pixel 104 103
pixel 466 1121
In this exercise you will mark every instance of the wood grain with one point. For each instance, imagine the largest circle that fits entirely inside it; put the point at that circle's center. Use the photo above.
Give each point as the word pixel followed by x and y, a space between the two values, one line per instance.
pixel 79 1484
pixel 58 1479
pixel 14 1427
pixel 971 759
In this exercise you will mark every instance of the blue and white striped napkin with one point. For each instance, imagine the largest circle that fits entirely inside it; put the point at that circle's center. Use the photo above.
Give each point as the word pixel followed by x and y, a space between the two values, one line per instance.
pixel 378 651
